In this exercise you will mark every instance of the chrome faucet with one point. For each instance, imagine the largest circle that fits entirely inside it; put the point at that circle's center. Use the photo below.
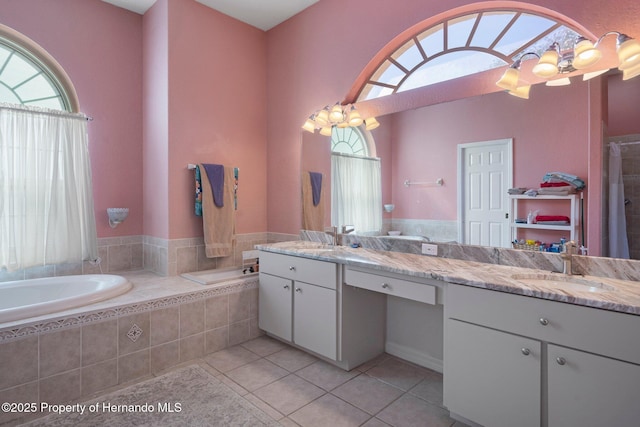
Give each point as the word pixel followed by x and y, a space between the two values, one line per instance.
pixel 333 232
pixel 346 229
pixel 568 250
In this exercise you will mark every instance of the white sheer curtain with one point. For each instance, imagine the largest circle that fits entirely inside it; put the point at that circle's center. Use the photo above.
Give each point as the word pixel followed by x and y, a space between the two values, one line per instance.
pixel 618 243
pixel 356 193
pixel 46 201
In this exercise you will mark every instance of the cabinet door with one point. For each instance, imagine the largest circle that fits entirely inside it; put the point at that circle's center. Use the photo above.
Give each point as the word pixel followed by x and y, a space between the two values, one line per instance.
pixel 315 319
pixel 274 305
pixel 590 390
pixel 491 377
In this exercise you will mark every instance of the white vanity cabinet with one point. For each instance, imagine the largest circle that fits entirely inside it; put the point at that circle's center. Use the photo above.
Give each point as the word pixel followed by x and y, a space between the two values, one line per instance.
pixel 297 301
pixel 514 360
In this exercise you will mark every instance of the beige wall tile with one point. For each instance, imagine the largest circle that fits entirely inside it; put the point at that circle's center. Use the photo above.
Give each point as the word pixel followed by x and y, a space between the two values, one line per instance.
pixel 216 339
pixel 119 258
pixel 164 356
pixel 133 365
pixel 136 325
pixel 99 376
pixel 59 351
pixel 216 312
pixel 20 394
pixel 238 332
pixel 164 325
pixel 19 362
pixel 60 388
pixel 99 342
pixel 239 306
pixel 192 347
pixel 187 259
pixel 191 318
pixel 205 263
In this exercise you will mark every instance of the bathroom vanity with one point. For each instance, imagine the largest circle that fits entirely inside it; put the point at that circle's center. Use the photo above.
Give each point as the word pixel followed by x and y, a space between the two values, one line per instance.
pixel 520 347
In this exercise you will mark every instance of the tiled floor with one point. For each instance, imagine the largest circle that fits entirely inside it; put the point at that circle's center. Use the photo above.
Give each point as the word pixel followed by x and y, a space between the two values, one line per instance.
pixel 297 389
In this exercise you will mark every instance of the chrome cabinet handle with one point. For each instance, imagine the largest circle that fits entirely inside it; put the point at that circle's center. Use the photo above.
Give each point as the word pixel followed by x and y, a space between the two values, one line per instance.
pixel 298 290
pixel 286 286
pixel 561 360
pixel 526 351
pixel 292 268
pixel 543 321
pixel 385 286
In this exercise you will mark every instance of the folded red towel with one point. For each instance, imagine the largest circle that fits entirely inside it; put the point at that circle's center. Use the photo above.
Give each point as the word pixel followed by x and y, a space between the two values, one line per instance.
pixel 552 218
pixel 554 184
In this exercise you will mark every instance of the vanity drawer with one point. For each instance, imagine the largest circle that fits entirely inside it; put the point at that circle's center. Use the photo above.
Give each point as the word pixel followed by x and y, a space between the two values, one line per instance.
pixel 307 270
pixel 594 330
pixel 395 286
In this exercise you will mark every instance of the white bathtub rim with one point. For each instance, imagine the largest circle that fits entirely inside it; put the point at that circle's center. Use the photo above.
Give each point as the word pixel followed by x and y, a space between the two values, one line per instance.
pixel 119 285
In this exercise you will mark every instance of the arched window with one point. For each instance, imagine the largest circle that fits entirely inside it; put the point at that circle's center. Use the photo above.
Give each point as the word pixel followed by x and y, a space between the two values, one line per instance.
pixel 356 186
pixel 30 76
pixel 463 45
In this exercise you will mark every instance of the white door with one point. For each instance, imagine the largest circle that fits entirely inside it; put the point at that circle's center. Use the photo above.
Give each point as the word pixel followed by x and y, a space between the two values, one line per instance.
pixel 485 173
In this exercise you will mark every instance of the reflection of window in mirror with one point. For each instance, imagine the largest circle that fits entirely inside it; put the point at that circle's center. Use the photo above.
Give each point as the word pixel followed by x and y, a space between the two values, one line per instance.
pixel 356 189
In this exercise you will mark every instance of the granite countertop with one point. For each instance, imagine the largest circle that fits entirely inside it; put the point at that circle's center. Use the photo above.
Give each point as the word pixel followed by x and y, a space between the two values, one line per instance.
pixel 590 291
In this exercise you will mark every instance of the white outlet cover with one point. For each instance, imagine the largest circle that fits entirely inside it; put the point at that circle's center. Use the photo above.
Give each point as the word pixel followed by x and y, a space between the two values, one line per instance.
pixel 429 249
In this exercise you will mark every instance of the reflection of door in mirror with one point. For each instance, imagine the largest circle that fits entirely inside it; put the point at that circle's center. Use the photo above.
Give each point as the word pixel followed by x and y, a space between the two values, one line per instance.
pixel 485 176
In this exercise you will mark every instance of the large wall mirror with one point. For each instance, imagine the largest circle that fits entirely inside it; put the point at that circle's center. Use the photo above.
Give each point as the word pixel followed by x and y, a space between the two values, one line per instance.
pixel 549 131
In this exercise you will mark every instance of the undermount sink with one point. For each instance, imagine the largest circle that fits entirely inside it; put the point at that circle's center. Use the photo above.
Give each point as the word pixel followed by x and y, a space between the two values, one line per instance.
pixel 563 281
pixel 337 252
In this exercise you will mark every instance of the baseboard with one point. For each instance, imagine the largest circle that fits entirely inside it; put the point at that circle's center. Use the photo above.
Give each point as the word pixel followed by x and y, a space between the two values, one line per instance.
pixel 414 356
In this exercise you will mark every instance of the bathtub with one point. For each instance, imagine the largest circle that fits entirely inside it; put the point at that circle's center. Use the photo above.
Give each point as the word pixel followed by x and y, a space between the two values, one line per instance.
pixel 212 277
pixel 21 299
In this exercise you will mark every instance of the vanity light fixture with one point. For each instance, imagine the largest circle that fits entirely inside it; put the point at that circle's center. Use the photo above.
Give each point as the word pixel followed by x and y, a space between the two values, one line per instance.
pixel 342 116
pixel 584 55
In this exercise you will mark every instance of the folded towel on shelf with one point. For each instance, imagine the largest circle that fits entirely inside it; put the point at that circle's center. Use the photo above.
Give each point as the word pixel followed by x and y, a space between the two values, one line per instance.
pixel 312 212
pixel 554 184
pixel 554 218
pixel 564 177
pixel 215 174
pixel 517 190
pixel 557 191
pixel 218 222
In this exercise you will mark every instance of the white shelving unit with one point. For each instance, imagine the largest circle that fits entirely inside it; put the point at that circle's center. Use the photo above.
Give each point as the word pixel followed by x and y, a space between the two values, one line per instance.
pixel 574 215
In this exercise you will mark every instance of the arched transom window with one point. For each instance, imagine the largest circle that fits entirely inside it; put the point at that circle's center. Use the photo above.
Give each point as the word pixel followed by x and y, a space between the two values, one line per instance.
pixel 465 45
pixel 27 81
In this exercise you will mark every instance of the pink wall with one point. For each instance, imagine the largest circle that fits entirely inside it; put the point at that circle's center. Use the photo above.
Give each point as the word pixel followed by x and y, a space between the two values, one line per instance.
pixel 425 143
pixel 312 62
pixel 100 48
pixel 624 106
pixel 217 101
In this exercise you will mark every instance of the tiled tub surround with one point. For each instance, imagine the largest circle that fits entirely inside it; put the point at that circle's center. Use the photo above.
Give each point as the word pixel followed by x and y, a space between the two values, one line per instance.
pixel 625 297
pixel 160 323
pixel 161 256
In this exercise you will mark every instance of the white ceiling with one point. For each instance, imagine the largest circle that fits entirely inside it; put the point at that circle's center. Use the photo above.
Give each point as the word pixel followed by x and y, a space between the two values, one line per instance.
pixel 259 13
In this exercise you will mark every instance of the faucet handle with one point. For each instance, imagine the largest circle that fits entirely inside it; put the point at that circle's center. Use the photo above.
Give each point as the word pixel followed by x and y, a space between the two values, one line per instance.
pixel 346 229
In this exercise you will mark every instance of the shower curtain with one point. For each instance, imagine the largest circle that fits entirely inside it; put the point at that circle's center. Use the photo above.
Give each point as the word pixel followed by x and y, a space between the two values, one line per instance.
pixel 46 201
pixel 618 243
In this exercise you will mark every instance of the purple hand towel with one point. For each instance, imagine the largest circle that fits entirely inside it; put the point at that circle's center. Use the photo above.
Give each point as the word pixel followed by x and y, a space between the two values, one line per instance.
pixel 215 173
pixel 316 186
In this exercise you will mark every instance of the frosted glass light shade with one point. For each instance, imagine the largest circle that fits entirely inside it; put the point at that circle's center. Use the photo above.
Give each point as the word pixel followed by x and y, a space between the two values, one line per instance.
pixel 547 66
pixel 336 115
pixel 354 117
pixel 326 131
pixel 322 118
pixel 521 92
pixel 509 79
pixel 371 123
pixel 630 73
pixel 309 125
pixel 585 54
pixel 628 52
